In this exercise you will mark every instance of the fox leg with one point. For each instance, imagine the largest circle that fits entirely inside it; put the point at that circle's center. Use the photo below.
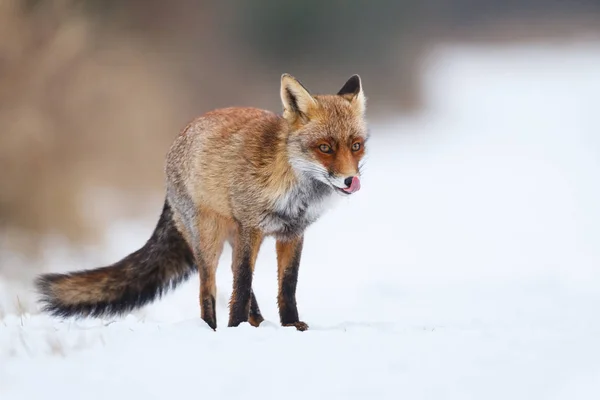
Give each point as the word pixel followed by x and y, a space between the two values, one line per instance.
pixel 288 263
pixel 254 317
pixel 212 232
pixel 245 250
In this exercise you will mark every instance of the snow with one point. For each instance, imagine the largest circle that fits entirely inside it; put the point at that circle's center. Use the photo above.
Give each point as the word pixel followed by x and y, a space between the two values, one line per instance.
pixel 467 266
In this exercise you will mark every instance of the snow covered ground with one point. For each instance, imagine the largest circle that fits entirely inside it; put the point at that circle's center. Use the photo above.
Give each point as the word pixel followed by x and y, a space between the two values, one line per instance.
pixel 467 267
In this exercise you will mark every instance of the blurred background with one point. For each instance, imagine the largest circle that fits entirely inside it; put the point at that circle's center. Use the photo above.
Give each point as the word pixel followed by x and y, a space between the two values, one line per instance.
pixel 92 92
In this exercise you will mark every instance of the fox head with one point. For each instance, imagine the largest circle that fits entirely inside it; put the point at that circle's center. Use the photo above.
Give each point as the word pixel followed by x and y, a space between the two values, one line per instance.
pixel 327 134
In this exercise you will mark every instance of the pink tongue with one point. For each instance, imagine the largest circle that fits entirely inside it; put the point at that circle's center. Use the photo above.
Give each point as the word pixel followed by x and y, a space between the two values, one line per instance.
pixel 354 186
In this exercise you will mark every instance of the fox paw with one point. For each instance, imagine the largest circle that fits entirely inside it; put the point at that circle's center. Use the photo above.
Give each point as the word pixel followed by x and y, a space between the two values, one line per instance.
pixel 301 326
pixel 255 320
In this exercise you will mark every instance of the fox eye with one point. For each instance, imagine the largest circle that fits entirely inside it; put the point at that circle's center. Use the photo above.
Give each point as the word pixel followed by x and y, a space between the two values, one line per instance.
pixel 356 146
pixel 325 148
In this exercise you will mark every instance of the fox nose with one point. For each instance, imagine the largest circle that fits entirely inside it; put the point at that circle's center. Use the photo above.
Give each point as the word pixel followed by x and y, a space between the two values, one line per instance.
pixel 352 183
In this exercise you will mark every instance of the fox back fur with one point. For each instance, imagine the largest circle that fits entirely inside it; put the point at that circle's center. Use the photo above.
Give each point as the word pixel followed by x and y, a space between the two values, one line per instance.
pixel 236 175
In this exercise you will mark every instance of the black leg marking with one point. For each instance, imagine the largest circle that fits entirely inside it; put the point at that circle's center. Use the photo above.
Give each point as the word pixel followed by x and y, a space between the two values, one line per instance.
pixel 288 254
pixel 288 311
pixel 255 317
pixel 242 288
pixel 209 314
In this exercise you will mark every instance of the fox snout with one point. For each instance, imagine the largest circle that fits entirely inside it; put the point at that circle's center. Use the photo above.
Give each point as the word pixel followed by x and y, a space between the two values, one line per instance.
pixel 349 184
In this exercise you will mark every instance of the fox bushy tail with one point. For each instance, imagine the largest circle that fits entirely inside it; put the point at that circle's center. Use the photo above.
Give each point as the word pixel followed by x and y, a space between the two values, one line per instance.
pixel 160 265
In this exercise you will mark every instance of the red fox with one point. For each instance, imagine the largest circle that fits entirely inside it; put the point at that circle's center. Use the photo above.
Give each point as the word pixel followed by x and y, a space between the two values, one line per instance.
pixel 238 175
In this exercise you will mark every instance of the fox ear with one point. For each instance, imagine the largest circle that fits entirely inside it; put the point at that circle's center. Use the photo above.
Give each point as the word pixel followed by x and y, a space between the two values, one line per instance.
pixel 297 101
pixel 352 91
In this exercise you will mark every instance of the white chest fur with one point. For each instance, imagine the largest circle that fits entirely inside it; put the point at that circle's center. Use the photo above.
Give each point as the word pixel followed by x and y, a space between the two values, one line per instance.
pixel 294 211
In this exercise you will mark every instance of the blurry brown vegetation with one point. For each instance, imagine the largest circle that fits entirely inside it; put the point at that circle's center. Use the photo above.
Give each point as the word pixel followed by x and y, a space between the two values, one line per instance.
pixel 92 92
pixel 77 110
